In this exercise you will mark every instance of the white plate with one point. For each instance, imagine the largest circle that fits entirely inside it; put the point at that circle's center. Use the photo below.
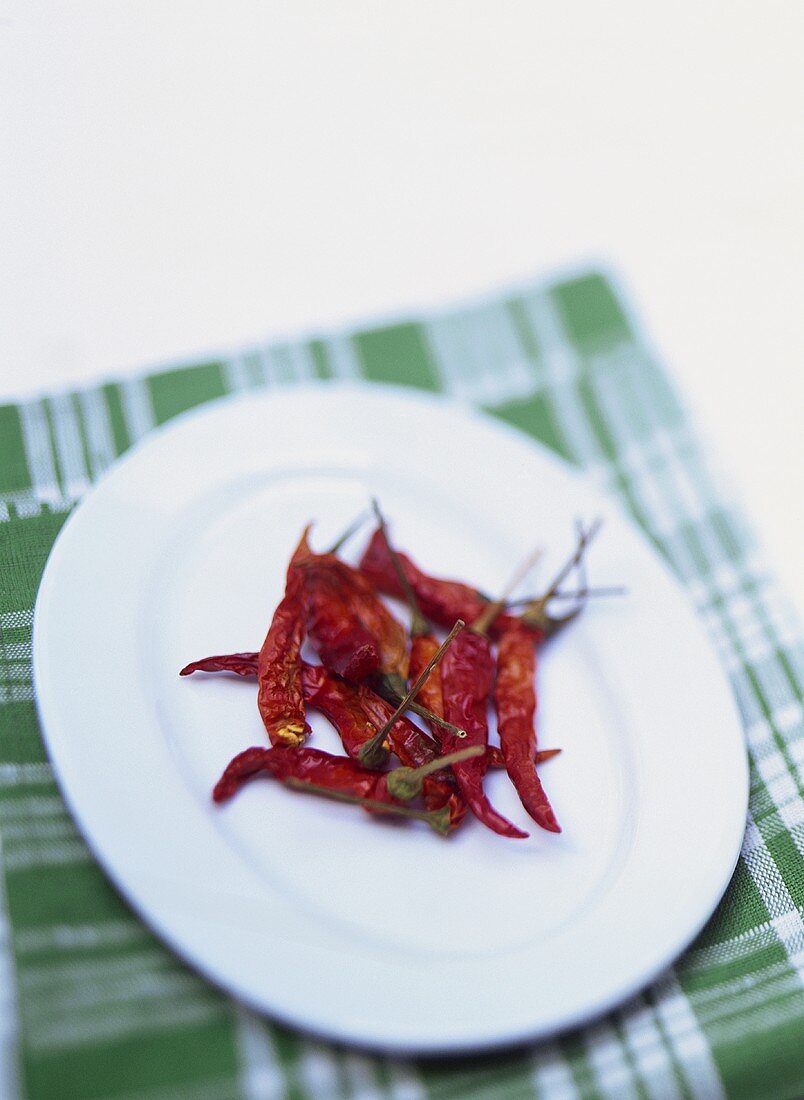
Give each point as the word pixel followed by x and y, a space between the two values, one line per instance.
pixel 389 937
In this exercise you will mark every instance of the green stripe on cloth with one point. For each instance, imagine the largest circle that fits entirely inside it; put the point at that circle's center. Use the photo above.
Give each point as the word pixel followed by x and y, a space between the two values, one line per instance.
pixel 106 1011
pixel 396 354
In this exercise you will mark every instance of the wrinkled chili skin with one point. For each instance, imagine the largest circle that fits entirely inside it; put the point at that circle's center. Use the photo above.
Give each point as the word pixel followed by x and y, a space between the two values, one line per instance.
pixel 438 793
pixel 467 671
pixel 306 765
pixel 388 632
pixel 245 664
pixel 515 703
pixel 413 748
pixel 241 664
pixel 411 745
pixel 342 703
pixel 423 648
pixel 441 600
pixel 279 695
pixel 341 640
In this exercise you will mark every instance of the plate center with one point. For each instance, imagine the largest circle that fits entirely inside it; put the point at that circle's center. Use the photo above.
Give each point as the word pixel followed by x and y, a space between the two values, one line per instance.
pixel 221 576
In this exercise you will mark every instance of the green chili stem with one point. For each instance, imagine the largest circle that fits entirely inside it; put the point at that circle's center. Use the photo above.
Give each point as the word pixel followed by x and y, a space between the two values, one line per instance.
pixel 435 818
pixel 584 539
pixel 384 687
pixel 575 594
pixel 406 783
pixel 353 527
pixel 487 617
pixel 535 612
pixel 443 762
pixel 370 749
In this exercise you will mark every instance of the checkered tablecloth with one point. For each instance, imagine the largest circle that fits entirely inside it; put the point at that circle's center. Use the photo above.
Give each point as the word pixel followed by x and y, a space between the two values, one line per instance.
pixel 94 1006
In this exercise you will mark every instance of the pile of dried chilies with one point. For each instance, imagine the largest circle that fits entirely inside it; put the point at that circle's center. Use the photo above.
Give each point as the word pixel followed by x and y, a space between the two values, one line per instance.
pixel 372 671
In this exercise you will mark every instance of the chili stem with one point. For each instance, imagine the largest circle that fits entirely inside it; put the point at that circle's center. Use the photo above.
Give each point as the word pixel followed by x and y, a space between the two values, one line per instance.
pixel 575 594
pixel 387 690
pixel 370 750
pixel 431 817
pixel 484 620
pixel 418 623
pixel 406 783
pixel 344 537
pixel 535 614
pixel 584 539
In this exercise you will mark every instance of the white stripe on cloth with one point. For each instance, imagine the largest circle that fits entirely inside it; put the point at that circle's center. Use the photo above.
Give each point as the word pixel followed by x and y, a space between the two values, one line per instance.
pixel 127 1022
pixel 404 1083
pixel 479 357
pixel 613 1076
pixel 689 1044
pixel 361 1077
pixel 235 373
pixel 551 1075
pixel 9 1080
pixel 562 368
pixel 79 937
pixel 648 1050
pixel 317 1071
pixel 46 855
pixel 39 453
pixel 290 363
pixel 261 1076
pixel 342 357
pixel 100 438
pixel 67 431
pixel 22 775
pixel 138 411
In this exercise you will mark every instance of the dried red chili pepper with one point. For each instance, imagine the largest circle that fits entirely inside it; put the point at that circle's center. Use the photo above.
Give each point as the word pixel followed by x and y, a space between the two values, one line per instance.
pixel 414 748
pixel 375 616
pixel 466 674
pixel 369 751
pixel 354 709
pixel 370 615
pixel 442 601
pixel 342 642
pixel 241 664
pixel 343 703
pixel 335 777
pixel 309 764
pixel 356 612
pixel 515 702
pixel 279 695
pixel 377 710
pixel 423 649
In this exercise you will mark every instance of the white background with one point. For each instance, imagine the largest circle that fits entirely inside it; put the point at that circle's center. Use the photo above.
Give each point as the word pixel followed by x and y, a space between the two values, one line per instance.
pixel 184 176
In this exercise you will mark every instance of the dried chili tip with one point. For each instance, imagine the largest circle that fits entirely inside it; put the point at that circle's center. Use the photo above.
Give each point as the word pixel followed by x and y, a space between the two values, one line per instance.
pixel 246 764
pixel 359 664
pixel 547 819
pixel 242 664
pixel 546 754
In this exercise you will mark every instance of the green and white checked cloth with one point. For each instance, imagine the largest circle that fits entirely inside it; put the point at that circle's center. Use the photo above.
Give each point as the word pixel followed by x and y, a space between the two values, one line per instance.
pixel 94 1006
